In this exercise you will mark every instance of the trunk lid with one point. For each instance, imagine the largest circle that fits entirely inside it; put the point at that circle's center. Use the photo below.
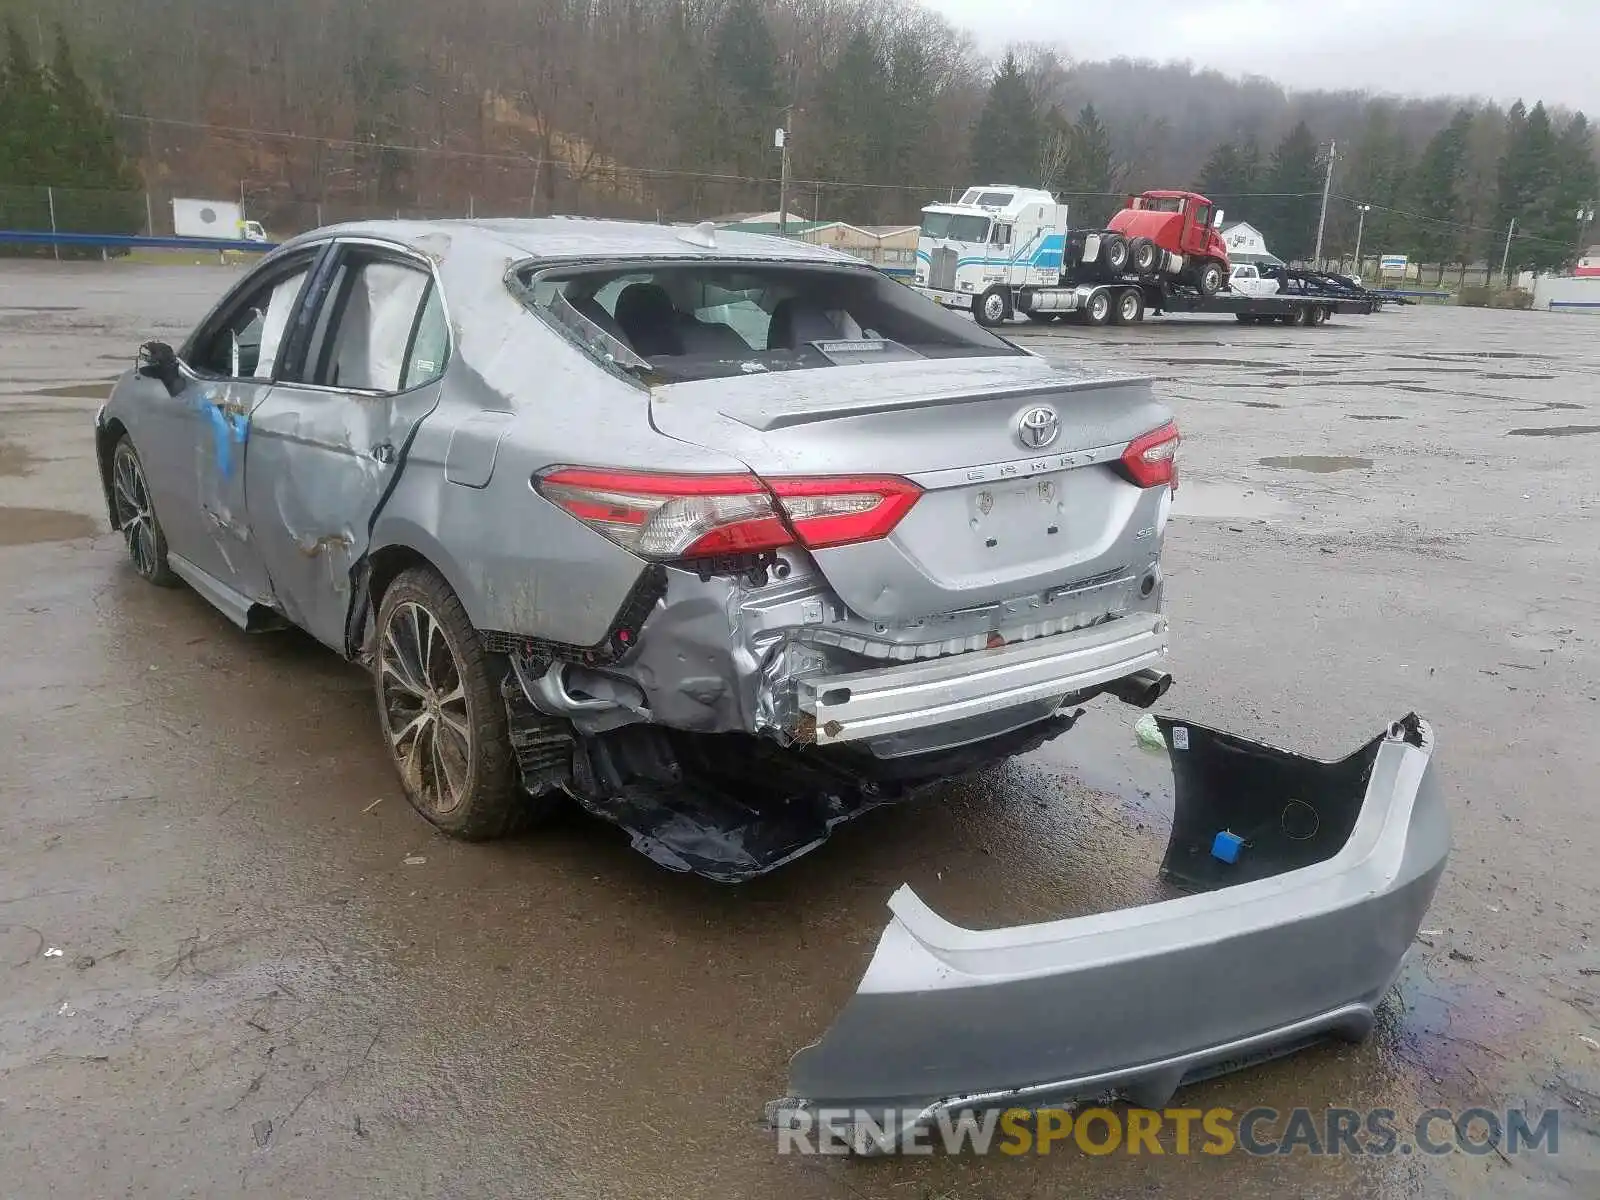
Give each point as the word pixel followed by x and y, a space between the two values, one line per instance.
pixel 999 520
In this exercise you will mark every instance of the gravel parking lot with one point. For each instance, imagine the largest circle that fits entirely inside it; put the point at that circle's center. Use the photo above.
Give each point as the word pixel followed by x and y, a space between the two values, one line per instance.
pixel 274 979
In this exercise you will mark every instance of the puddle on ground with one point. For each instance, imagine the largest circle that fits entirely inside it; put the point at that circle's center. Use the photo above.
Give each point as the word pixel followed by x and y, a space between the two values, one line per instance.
pixel 15 459
pixel 1555 406
pixel 1556 431
pixel 28 526
pixel 81 391
pixel 1317 464
pixel 1225 502
pixel 1260 404
pixel 39 308
pixel 1498 375
pixel 1375 417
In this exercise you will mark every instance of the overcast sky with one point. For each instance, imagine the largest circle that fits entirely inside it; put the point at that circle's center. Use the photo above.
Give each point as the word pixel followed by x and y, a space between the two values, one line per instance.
pixel 1502 49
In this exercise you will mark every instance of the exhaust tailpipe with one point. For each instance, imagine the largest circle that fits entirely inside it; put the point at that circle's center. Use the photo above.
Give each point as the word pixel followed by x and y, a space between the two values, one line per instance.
pixel 1142 689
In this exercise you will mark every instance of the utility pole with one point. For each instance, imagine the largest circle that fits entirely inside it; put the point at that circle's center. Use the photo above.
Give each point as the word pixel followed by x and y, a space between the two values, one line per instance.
pixel 1327 186
pixel 1505 259
pixel 1361 227
pixel 781 140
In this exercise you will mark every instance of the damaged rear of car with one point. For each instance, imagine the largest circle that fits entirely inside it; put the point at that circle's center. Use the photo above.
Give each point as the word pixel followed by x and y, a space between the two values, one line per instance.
pixel 933 546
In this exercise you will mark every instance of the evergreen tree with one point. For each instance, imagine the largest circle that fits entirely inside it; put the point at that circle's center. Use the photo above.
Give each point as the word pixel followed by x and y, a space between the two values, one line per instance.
pixel 1529 192
pixel 1577 185
pixel 55 134
pixel 1436 192
pixel 1295 181
pixel 1231 173
pixel 1378 174
pixel 1005 143
pixel 744 81
pixel 1093 169
pixel 855 116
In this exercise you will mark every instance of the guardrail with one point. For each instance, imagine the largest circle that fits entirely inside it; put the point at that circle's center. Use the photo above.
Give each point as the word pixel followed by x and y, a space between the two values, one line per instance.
pixel 119 241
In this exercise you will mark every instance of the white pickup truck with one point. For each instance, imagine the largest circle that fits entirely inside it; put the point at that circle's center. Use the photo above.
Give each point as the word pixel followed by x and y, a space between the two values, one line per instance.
pixel 1246 280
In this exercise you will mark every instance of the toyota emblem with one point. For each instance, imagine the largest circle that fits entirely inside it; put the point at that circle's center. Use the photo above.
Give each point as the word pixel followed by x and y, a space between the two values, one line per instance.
pixel 1039 427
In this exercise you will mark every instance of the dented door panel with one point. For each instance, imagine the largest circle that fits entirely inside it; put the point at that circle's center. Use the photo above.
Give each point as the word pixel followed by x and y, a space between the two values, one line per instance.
pixel 320 464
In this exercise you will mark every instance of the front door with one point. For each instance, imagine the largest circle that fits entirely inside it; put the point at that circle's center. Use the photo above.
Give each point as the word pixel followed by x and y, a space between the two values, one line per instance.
pixel 326 447
pixel 1197 228
pixel 230 365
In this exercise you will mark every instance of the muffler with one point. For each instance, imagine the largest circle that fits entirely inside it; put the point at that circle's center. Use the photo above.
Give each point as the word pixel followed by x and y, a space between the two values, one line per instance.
pixel 1142 689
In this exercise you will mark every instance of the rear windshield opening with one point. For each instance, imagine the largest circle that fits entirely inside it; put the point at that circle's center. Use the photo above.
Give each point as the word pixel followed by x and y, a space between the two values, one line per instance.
pixel 683 321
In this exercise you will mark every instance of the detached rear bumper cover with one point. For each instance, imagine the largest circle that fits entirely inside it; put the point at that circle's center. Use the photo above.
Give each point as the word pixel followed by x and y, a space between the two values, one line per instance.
pixel 1299 939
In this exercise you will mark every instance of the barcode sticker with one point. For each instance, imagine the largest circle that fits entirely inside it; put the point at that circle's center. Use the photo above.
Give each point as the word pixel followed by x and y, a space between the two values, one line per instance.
pixel 1180 737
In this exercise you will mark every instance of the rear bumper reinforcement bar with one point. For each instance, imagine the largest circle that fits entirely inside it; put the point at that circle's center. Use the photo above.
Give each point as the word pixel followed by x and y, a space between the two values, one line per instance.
pixel 1302 916
pixel 872 704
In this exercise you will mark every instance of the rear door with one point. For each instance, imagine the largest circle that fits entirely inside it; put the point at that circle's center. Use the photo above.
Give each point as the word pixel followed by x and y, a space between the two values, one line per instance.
pixel 327 445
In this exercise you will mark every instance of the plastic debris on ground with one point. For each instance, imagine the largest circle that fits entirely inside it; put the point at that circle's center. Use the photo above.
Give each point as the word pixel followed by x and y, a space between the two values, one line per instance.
pixel 1148 734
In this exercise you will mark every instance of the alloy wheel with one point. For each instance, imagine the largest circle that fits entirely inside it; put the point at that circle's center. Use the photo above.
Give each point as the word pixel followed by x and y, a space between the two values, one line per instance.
pixel 425 707
pixel 134 514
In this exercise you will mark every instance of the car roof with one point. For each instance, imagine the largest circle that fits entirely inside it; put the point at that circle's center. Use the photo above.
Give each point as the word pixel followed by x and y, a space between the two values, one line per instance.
pixel 568 238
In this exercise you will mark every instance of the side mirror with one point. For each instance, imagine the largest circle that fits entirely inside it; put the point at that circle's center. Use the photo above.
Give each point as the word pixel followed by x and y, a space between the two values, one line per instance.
pixel 1218 220
pixel 158 360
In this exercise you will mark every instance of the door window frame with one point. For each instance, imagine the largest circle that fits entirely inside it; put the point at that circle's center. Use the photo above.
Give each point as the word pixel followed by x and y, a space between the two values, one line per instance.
pixel 298 342
pixel 267 274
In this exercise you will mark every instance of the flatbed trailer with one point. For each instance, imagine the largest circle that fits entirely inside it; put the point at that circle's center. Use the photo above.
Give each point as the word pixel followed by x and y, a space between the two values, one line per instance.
pixel 1129 301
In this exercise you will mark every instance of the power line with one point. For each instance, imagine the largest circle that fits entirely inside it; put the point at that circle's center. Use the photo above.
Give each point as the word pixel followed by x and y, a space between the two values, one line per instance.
pixel 1415 216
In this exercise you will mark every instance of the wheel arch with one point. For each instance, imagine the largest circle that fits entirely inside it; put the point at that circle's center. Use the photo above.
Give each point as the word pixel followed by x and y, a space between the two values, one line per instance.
pixel 397 547
pixel 107 434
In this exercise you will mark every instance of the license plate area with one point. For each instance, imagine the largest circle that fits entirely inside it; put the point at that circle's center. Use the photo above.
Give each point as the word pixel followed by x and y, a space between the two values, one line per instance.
pixel 1025 511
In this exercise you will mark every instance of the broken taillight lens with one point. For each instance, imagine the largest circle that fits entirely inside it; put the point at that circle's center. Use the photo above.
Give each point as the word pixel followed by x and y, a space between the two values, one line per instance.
pixel 1151 459
pixel 698 516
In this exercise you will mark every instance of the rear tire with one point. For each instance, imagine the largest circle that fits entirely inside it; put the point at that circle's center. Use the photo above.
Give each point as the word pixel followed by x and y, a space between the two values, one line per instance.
pixel 1144 255
pixel 1302 316
pixel 993 307
pixel 1114 254
pixel 442 716
pixel 1319 316
pixel 1210 277
pixel 1097 311
pixel 136 516
pixel 1129 308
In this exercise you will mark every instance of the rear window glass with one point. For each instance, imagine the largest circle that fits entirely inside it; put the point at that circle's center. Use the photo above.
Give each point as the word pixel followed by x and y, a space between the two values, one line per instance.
pixel 680 321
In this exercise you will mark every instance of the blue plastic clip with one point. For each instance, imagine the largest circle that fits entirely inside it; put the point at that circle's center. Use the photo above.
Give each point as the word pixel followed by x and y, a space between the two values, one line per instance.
pixel 1227 847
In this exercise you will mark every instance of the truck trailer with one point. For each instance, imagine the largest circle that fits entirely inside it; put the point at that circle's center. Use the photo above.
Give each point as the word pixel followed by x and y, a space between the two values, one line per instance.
pixel 1005 251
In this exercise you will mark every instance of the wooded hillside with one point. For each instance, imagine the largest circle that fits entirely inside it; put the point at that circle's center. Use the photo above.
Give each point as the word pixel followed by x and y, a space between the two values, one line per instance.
pixel 667 107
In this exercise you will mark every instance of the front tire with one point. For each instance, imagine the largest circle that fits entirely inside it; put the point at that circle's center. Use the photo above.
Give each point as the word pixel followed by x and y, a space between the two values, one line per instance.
pixel 136 516
pixel 1210 278
pixel 441 713
pixel 993 308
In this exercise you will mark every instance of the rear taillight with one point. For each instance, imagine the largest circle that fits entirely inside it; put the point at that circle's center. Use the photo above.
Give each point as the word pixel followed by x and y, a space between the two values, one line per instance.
pixel 698 516
pixel 836 511
pixel 1151 459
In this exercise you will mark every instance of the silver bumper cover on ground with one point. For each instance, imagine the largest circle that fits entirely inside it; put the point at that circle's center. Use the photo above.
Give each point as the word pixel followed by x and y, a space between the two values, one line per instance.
pixel 1299 938
pixel 877 703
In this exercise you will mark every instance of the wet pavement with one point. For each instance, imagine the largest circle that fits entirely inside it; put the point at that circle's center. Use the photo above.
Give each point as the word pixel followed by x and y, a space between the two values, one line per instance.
pixel 274 979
